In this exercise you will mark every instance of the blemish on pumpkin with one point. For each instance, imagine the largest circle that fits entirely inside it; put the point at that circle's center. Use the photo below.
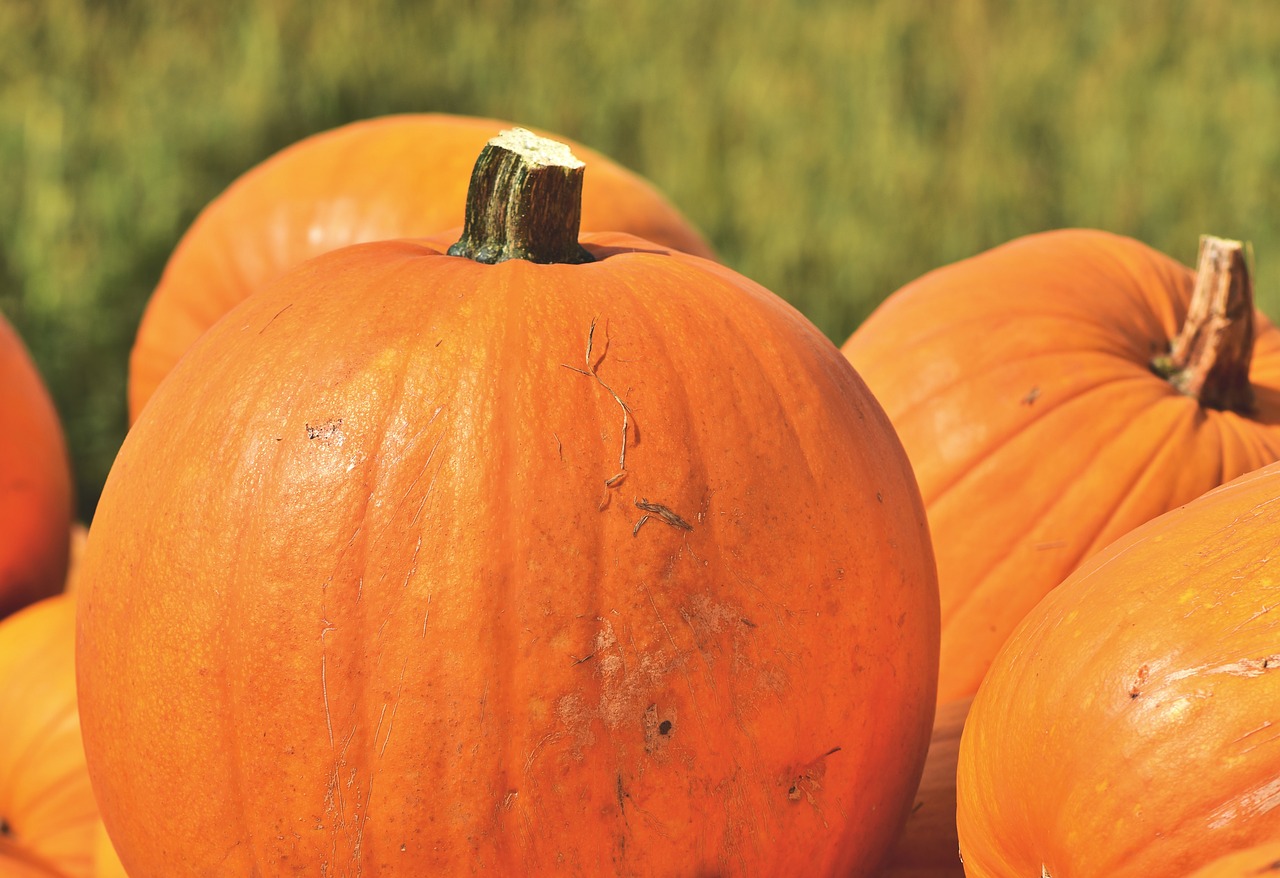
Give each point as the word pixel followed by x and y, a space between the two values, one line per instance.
pixel 1032 395
pixel 1140 681
pixel 659 726
pixel 807 780
pixel 329 431
pixel 5 828
pixel 273 318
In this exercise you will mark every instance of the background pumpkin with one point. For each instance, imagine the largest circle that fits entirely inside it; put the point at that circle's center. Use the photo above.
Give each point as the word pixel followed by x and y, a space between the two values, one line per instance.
pixel 928 847
pixel 35 482
pixel 391 177
pixel 47 810
pixel 429 566
pixel 1127 727
pixel 1255 862
pixel 1021 384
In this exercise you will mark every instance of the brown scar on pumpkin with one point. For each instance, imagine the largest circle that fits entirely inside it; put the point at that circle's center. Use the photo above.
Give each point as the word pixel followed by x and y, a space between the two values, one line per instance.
pixel 663 512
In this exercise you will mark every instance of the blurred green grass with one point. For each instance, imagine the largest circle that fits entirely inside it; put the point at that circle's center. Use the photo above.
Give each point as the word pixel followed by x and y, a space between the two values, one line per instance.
pixel 832 150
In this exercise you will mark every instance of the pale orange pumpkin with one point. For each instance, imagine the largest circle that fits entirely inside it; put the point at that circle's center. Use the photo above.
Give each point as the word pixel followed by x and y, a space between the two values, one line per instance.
pixel 1262 861
pixel 1033 388
pixel 927 846
pixel 1128 727
pixel 416 565
pixel 391 177
pixel 47 809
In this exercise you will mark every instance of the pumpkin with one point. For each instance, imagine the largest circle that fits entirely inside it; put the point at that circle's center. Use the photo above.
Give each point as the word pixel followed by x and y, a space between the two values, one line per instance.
pixel 47 810
pixel 1255 862
pixel 544 558
pixel 1037 392
pixel 927 846
pixel 389 177
pixel 1127 728
pixel 35 482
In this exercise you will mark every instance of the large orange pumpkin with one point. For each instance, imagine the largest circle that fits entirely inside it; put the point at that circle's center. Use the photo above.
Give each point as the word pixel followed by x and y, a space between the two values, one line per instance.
pixel 47 810
pixel 390 177
pixel 1024 385
pixel 1128 727
pixel 421 566
pixel 35 482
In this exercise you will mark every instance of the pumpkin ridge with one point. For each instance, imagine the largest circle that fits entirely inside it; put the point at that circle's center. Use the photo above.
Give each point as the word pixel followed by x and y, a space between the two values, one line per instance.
pixel 974 463
pixel 1085 548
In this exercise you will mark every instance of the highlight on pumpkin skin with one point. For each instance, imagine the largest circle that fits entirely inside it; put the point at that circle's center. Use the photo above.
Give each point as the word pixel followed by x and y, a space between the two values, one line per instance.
pixel 1111 385
pixel 400 176
pixel 405 601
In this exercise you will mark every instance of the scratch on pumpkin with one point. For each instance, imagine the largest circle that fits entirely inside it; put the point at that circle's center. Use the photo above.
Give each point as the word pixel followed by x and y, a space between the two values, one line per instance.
pixel 592 371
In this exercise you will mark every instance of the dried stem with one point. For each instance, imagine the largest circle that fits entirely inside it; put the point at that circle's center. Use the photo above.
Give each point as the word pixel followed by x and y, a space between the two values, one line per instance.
pixel 524 202
pixel 1209 360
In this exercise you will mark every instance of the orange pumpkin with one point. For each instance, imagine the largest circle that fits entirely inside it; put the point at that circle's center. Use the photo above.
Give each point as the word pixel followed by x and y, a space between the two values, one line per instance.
pixel 35 482
pixel 47 810
pixel 1023 384
pixel 927 846
pixel 390 177
pixel 1254 862
pixel 416 565
pixel 1128 727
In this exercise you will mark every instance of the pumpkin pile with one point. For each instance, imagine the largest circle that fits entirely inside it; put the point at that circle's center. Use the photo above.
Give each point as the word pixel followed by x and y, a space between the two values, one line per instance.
pixel 475 520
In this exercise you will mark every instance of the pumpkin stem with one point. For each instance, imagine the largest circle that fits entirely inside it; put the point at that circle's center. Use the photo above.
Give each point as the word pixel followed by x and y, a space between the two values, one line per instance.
pixel 524 202
pixel 1209 360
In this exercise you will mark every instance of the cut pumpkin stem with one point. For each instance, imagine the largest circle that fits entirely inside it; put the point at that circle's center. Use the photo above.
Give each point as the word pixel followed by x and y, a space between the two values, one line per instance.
pixel 524 202
pixel 1209 360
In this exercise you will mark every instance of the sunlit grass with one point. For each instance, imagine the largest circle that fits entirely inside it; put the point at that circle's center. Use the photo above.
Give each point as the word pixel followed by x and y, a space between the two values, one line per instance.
pixel 831 150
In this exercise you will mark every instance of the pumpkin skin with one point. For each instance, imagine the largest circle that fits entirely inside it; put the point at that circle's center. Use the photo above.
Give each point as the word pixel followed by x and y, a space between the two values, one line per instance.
pixel 35 482
pixel 1019 383
pixel 928 846
pixel 45 797
pixel 1126 728
pixel 400 176
pixel 1255 862
pixel 359 584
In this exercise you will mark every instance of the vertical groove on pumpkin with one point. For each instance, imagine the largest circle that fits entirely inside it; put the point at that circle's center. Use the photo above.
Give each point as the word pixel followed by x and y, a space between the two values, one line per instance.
pixel 524 202
pixel 1209 360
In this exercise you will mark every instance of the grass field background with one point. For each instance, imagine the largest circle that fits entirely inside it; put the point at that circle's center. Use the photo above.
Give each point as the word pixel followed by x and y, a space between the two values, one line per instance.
pixel 830 149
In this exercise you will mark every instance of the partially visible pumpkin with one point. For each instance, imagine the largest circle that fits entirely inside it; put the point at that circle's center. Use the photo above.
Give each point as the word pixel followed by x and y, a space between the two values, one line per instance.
pixel 398 176
pixel 35 482
pixel 928 847
pixel 47 809
pixel 1262 861
pixel 1033 388
pixel 106 862
pixel 416 565
pixel 1129 726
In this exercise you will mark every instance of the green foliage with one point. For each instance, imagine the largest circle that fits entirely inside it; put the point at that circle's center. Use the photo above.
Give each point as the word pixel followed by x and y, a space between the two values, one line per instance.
pixel 832 150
